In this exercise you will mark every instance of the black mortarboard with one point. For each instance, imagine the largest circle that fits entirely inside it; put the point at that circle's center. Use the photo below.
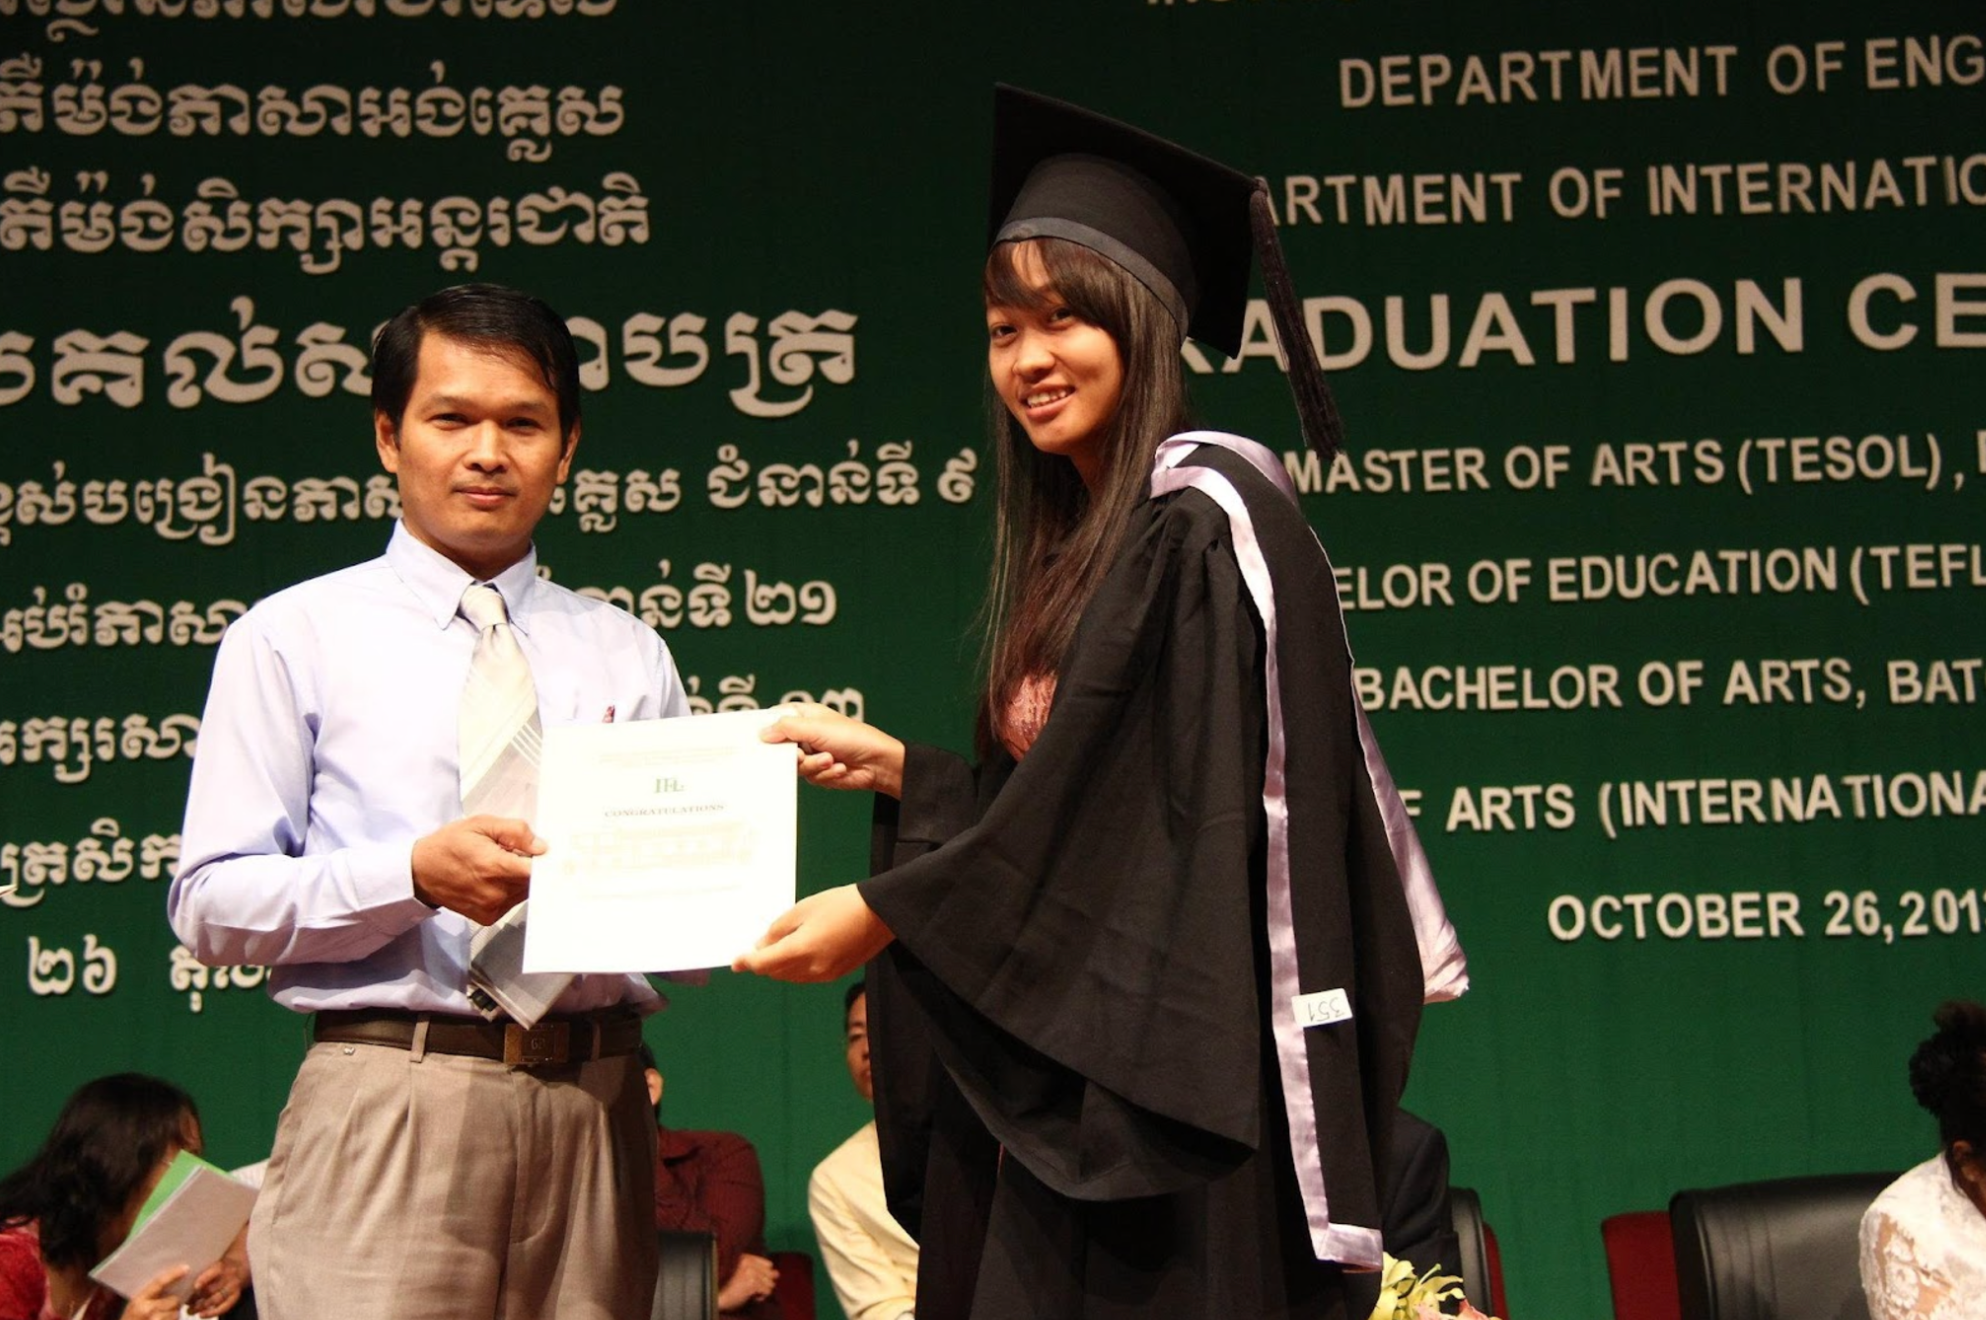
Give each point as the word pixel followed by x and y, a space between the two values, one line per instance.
pixel 1184 226
pixel 1177 221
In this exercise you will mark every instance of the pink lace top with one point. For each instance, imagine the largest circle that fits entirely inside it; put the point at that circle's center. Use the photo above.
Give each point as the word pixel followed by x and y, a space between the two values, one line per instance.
pixel 1021 722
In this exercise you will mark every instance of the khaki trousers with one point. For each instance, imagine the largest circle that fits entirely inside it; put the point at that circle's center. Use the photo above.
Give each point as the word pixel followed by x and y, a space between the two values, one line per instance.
pixel 443 1187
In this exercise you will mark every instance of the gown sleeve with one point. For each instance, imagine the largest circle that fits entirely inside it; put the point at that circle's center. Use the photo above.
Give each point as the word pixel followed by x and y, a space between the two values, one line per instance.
pixel 1083 955
pixel 939 1163
pixel 942 797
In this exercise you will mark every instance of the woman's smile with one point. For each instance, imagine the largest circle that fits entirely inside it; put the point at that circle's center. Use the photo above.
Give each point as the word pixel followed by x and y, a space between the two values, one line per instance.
pixel 1058 374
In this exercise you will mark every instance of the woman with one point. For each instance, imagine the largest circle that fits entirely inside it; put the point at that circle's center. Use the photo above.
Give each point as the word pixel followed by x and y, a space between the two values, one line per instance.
pixel 75 1202
pixel 1924 1239
pixel 1151 981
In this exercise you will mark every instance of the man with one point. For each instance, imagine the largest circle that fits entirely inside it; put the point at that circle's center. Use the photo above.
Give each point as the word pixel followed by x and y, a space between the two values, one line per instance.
pixel 871 1260
pixel 710 1182
pixel 360 808
pixel 1414 1218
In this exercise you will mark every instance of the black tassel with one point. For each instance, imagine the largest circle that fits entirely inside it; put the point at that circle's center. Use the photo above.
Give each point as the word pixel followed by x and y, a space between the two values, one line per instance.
pixel 1315 408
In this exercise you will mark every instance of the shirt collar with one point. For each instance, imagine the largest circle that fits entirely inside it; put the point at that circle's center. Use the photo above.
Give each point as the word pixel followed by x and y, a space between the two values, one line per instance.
pixel 438 582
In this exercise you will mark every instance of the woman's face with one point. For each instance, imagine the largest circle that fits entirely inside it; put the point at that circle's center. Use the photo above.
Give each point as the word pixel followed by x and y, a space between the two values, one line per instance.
pixel 1059 375
pixel 119 1227
pixel 1969 1169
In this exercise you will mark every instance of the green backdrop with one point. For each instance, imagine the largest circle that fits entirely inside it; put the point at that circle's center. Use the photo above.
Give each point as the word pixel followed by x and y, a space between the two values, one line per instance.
pixel 1659 335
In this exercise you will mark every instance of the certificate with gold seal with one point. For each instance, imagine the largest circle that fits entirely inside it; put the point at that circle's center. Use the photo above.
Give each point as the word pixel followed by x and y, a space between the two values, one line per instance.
pixel 670 843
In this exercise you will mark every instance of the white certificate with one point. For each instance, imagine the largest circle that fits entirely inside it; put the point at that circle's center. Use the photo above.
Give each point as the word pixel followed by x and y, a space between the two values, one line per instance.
pixel 670 843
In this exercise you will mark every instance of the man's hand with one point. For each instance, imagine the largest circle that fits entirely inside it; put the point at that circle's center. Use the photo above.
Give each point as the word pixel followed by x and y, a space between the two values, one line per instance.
pixel 479 866
pixel 819 938
pixel 750 1282
pixel 839 752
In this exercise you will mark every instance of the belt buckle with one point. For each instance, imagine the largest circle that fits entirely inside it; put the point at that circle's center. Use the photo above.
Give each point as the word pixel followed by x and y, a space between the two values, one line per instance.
pixel 533 1047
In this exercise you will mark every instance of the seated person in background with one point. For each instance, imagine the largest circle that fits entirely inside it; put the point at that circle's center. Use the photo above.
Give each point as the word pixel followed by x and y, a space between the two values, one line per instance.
pixel 1924 1239
pixel 871 1260
pixel 1414 1218
pixel 75 1201
pixel 709 1182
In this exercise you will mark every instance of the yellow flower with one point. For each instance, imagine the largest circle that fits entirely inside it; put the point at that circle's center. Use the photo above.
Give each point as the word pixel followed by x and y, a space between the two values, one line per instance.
pixel 1405 1295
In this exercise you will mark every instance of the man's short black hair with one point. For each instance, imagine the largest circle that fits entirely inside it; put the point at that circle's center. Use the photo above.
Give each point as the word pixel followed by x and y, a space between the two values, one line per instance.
pixel 487 316
pixel 855 992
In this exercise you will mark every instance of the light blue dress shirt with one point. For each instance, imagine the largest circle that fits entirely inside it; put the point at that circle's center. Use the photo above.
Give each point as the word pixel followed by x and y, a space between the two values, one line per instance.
pixel 329 746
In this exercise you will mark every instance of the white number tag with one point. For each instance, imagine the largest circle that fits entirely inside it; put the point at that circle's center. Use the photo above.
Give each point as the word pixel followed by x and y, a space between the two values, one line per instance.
pixel 1322 1008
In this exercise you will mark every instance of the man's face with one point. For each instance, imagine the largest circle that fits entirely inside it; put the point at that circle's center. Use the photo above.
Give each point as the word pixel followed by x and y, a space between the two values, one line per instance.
pixel 478 453
pixel 856 1040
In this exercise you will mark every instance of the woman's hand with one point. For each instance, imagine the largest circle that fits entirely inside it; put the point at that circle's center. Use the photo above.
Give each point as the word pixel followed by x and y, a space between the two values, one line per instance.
pixel 220 1285
pixel 839 752
pixel 818 939
pixel 155 1300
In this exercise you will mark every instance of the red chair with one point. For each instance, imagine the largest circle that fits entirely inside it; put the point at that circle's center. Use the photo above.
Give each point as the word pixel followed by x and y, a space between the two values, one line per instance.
pixel 1500 1305
pixel 1641 1265
pixel 795 1290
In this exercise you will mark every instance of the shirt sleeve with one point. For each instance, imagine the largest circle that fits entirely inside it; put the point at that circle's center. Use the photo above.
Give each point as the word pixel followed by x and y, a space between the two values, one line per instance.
pixel 667 684
pixel 23 1283
pixel 244 893
pixel 735 1192
pixel 865 1282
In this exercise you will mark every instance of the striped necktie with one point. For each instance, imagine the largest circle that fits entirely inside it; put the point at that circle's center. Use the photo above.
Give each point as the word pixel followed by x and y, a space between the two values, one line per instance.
pixel 500 745
pixel 498 730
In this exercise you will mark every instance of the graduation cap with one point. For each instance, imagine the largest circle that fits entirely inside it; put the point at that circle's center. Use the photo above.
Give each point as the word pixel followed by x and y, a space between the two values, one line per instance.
pixel 1186 227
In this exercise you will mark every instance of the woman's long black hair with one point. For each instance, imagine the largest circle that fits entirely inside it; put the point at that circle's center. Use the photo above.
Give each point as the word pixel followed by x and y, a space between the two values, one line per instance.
pixel 110 1136
pixel 1054 538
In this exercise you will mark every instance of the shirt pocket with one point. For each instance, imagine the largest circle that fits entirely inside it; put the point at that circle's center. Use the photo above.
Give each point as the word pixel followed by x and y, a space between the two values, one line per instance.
pixel 592 699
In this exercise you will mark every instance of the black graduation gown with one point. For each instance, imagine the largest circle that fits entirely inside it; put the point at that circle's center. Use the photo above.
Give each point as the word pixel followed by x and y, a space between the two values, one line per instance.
pixel 1077 1089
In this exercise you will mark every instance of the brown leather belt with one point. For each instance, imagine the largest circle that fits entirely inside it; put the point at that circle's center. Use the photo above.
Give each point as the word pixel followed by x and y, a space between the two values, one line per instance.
pixel 556 1040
